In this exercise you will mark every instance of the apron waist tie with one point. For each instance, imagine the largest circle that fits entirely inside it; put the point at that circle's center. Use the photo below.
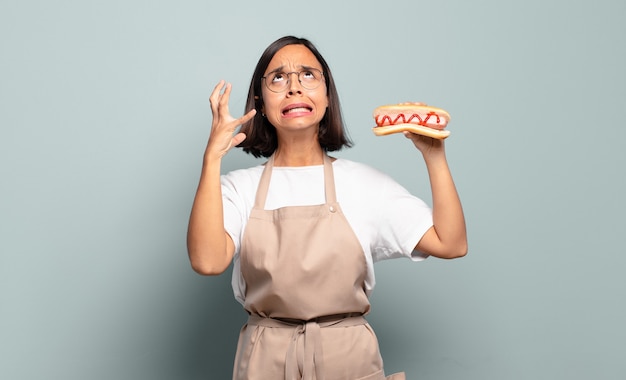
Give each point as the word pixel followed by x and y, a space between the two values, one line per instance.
pixel 313 362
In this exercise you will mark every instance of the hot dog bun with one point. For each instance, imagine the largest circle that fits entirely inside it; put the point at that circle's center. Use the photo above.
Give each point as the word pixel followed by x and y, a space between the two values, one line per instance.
pixel 417 118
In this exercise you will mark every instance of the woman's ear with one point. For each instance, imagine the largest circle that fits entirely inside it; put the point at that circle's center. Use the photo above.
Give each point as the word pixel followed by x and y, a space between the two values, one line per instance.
pixel 262 106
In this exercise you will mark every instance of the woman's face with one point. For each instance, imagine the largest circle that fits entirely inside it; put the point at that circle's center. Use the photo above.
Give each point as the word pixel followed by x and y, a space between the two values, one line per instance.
pixel 295 108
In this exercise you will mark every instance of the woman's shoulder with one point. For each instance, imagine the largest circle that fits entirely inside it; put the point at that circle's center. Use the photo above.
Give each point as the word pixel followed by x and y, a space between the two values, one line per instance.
pixel 243 177
pixel 359 170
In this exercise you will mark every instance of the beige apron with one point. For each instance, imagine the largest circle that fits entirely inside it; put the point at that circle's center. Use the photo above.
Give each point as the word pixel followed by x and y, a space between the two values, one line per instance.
pixel 304 271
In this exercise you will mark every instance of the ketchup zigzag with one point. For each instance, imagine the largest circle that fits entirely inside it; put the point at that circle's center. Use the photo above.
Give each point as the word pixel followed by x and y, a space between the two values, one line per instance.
pixel 380 121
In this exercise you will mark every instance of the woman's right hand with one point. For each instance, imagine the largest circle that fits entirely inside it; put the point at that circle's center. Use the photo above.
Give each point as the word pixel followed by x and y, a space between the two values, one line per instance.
pixel 210 247
pixel 223 126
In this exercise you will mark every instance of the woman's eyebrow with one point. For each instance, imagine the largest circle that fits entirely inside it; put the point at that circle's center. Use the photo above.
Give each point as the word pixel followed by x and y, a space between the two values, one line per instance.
pixel 276 70
pixel 306 67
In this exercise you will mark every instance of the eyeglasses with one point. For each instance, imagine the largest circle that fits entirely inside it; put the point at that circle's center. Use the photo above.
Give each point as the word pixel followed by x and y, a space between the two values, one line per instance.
pixel 310 79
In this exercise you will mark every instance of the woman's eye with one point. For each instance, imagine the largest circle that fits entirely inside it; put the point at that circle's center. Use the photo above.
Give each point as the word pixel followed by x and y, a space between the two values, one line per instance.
pixel 308 74
pixel 278 77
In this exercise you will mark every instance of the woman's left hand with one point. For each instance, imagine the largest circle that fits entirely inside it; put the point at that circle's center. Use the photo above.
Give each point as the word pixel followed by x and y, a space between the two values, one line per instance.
pixel 448 237
pixel 426 145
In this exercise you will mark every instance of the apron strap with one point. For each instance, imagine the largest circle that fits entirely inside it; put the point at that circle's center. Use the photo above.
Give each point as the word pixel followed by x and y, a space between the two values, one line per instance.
pixel 329 181
pixel 264 184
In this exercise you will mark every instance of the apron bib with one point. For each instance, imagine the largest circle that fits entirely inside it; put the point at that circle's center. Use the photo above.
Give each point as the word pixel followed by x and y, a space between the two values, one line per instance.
pixel 304 270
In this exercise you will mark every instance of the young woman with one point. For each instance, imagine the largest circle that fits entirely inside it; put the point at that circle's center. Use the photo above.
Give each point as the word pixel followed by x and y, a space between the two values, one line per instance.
pixel 304 229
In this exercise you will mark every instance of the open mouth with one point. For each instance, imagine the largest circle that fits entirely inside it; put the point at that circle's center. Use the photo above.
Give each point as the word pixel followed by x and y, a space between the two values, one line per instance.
pixel 297 108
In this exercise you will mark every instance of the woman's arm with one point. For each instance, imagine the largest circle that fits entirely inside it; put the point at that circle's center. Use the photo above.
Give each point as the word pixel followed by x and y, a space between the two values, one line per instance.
pixel 448 237
pixel 210 248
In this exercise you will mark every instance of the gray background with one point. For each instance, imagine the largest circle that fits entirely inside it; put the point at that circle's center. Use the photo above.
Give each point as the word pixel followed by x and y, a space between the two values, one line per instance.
pixel 104 117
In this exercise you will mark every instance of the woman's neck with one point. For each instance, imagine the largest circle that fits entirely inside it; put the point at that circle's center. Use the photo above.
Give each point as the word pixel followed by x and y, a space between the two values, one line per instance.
pixel 299 153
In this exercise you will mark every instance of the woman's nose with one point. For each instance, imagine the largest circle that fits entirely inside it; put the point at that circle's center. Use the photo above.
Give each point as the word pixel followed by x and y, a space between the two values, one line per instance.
pixel 294 83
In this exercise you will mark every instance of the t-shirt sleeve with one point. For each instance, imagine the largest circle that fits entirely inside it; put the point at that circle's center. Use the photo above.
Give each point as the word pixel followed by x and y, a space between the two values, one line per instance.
pixel 404 219
pixel 235 203
pixel 234 206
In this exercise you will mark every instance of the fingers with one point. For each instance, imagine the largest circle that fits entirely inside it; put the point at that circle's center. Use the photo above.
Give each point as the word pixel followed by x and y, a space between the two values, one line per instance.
pixel 223 136
pixel 423 143
pixel 219 99
pixel 417 137
pixel 223 103
pixel 238 138
pixel 247 117
pixel 214 99
pixel 414 136
pixel 219 103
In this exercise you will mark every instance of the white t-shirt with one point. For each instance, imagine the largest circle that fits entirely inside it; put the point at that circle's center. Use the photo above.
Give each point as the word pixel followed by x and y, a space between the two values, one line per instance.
pixel 387 220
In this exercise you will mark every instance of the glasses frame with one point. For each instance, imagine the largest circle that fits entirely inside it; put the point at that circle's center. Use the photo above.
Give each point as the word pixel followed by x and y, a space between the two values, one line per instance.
pixel 288 75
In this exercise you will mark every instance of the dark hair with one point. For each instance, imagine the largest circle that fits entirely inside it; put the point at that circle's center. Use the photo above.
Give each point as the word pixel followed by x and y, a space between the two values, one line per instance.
pixel 261 139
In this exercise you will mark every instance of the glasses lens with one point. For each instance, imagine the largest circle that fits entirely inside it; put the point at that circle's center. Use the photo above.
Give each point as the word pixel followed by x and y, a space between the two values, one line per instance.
pixel 276 82
pixel 310 79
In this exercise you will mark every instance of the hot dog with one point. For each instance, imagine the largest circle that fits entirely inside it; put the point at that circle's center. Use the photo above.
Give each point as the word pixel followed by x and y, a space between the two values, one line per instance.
pixel 418 118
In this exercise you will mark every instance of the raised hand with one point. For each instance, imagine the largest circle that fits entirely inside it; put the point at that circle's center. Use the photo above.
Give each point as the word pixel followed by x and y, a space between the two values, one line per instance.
pixel 223 127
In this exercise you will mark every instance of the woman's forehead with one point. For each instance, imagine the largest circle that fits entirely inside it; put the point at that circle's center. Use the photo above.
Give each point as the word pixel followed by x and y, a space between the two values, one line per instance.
pixel 293 57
